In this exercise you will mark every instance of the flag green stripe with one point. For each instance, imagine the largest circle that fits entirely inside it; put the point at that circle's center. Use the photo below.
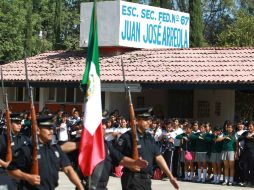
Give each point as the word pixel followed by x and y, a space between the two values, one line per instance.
pixel 92 49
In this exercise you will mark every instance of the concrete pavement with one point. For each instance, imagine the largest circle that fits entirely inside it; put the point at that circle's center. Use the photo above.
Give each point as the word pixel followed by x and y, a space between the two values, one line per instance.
pixel 115 184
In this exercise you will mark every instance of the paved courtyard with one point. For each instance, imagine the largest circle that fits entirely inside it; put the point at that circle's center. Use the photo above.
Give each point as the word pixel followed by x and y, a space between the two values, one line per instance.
pixel 115 184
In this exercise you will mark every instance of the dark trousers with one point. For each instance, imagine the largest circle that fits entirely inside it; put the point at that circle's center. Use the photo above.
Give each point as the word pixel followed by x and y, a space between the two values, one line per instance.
pixel 176 165
pixel 248 168
pixel 239 177
pixel 6 182
pixel 135 181
pixel 168 156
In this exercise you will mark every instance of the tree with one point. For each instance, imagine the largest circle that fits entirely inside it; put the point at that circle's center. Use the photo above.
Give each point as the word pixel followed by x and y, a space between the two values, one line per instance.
pixel 183 5
pixel 28 28
pixel 57 25
pixel 167 4
pixel 240 33
pixel 196 24
pixel 12 24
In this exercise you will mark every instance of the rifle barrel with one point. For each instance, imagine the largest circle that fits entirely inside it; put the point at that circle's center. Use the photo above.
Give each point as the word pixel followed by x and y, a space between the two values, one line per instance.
pixel 8 122
pixel 132 118
pixel 35 162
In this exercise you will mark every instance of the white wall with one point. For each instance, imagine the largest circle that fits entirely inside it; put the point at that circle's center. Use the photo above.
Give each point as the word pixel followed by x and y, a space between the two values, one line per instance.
pixel 227 99
pixel 43 97
pixel 155 98
pixel 108 23
pixel 117 100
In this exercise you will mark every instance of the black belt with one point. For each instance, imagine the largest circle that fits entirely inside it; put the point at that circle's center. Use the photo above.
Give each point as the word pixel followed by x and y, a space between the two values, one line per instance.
pixel 142 175
pixel 138 174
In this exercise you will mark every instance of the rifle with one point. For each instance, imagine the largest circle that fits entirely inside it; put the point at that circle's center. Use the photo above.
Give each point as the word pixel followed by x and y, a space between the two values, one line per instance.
pixel 8 123
pixel 132 118
pixel 35 163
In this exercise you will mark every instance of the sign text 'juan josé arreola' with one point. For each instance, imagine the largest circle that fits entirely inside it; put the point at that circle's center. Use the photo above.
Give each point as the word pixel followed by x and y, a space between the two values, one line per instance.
pixel 127 24
pixel 153 27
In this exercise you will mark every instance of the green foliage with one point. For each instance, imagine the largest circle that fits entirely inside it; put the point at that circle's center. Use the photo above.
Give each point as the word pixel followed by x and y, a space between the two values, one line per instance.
pixel 240 33
pixel 37 26
pixel 12 23
pixel 196 24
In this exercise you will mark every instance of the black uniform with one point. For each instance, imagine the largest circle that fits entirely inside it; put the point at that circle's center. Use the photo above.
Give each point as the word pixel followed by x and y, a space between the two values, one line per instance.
pixel 51 159
pixel 113 157
pixel 247 157
pixel 18 141
pixel 148 151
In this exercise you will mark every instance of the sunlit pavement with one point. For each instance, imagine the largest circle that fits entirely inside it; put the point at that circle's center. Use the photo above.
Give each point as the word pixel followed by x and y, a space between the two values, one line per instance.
pixel 115 184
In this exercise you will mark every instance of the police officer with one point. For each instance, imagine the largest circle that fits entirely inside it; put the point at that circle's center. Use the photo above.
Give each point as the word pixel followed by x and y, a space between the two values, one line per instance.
pixel 148 150
pixel 18 141
pixel 51 159
pixel 99 180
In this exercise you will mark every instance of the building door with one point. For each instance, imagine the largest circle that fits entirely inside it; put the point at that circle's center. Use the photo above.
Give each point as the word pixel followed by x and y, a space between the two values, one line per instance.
pixel 180 103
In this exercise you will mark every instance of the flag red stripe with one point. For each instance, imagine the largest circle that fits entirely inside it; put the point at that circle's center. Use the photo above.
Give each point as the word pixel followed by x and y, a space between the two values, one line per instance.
pixel 91 150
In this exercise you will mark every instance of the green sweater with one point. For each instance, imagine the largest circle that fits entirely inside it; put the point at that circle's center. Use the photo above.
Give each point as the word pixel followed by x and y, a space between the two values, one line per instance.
pixel 229 144
pixel 216 147
pixel 187 139
pixel 202 141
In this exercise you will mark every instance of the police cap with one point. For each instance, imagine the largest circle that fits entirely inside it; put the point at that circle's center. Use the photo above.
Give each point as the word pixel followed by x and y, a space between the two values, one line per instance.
pixel 16 117
pixel 145 113
pixel 45 121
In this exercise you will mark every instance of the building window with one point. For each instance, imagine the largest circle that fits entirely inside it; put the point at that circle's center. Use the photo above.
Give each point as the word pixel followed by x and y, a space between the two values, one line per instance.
pixel 60 94
pixel 51 94
pixel 69 94
pixel 217 108
pixel 203 109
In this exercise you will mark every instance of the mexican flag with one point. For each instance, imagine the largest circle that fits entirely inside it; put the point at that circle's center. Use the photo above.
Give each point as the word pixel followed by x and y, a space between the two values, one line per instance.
pixel 92 150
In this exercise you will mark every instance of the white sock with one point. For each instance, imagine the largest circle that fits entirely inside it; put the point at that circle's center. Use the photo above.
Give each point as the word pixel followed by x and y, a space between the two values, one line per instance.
pixel 204 174
pixel 218 178
pixel 185 175
pixel 199 174
pixel 226 179
pixel 214 178
pixel 231 179
pixel 191 175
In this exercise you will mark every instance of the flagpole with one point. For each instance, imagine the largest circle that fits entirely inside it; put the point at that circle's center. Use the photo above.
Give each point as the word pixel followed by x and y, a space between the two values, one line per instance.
pixel 92 149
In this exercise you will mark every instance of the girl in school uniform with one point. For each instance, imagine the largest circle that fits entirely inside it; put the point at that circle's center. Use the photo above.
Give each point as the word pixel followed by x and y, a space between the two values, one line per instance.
pixel 187 144
pixel 229 153
pixel 215 159
pixel 202 139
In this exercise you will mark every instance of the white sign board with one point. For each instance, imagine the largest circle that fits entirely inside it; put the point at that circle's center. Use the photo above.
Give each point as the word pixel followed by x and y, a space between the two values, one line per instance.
pixel 128 24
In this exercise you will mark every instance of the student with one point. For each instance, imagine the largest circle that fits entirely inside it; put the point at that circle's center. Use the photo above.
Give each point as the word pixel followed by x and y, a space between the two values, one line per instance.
pixel 215 159
pixel 229 153
pixel 187 143
pixel 63 130
pixel 201 147
pixel 167 144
